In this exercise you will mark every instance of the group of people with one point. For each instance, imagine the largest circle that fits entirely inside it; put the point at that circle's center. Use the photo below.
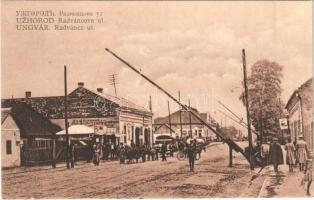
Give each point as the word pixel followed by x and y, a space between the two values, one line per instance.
pixel 297 153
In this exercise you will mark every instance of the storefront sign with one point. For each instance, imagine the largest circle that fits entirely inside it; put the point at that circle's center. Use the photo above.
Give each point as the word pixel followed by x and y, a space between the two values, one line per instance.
pixel 283 123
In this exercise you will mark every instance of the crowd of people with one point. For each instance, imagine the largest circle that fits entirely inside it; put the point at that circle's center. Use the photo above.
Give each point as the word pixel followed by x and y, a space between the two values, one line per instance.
pixel 128 154
pixel 297 154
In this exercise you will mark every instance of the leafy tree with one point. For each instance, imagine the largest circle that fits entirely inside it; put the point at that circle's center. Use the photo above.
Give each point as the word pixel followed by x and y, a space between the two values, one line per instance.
pixel 264 89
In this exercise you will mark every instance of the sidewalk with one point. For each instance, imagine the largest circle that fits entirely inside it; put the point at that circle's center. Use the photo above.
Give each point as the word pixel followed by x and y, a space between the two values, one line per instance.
pixel 284 183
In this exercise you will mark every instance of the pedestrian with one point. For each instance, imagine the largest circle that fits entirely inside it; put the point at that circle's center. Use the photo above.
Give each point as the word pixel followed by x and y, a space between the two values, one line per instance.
pixel 72 154
pixel 96 154
pixel 153 153
pixel 148 150
pixel 143 153
pixel 265 153
pixel 113 151
pixel 171 148
pixel 275 153
pixel 122 153
pixel 191 155
pixel 302 152
pixel 157 152
pixel 290 154
pixel 163 152
pixel 308 175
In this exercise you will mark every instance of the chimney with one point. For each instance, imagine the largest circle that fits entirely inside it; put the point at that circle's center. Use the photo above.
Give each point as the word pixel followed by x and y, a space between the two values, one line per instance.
pixel 28 94
pixel 80 84
pixel 100 90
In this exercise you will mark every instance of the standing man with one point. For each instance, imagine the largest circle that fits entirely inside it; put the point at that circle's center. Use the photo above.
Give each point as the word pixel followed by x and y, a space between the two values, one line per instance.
pixel 96 154
pixel 72 154
pixel 191 155
pixel 163 152
pixel 302 152
pixel 290 152
pixel 275 153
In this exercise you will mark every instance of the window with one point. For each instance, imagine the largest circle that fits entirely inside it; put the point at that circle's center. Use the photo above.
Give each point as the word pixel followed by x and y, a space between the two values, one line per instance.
pixel 9 147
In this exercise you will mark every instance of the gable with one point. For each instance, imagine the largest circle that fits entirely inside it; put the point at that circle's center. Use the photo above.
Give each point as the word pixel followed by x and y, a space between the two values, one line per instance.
pixel 9 124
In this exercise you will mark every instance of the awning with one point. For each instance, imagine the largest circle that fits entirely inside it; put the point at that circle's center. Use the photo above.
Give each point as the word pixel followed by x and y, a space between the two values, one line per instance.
pixel 77 130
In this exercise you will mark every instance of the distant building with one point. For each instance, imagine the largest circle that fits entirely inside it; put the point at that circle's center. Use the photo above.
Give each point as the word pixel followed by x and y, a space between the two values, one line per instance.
pixel 299 107
pixel 194 129
pixel 117 119
pixel 232 133
pixel 10 140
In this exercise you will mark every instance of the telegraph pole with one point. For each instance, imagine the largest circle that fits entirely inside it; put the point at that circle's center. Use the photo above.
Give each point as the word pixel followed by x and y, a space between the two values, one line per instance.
pixel 169 118
pixel 66 115
pixel 114 81
pixel 180 117
pixel 150 104
pixel 247 111
pixel 190 119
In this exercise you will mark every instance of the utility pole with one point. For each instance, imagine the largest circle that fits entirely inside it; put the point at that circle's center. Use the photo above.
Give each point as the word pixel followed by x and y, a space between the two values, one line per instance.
pixel 247 111
pixel 180 116
pixel 169 118
pixel 190 119
pixel 113 80
pixel 150 104
pixel 66 115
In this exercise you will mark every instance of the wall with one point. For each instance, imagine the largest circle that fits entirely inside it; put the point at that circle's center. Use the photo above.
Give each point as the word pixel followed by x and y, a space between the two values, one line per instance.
pixel 300 114
pixel 10 131
pixel 306 104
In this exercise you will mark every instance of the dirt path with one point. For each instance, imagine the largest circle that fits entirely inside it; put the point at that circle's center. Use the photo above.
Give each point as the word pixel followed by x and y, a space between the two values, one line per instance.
pixel 212 178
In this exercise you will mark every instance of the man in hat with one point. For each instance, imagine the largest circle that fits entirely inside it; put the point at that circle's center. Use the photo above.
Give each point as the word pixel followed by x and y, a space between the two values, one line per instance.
pixel 302 152
pixel 191 154
pixel 275 154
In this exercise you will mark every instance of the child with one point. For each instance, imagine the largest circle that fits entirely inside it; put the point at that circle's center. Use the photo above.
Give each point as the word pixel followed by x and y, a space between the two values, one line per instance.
pixel 308 175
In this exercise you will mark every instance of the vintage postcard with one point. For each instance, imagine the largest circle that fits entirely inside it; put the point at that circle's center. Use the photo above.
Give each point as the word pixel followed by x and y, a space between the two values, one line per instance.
pixel 156 99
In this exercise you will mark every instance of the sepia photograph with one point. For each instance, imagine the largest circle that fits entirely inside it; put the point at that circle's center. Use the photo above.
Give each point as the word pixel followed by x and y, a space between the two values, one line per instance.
pixel 156 99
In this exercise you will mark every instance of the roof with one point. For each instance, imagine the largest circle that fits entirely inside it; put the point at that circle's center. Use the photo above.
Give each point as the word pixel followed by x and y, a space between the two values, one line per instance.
pixel 31 123
pixel 77 130
pixel 185 118
pixel 78 107
pixel 167 125
pixel 5 113
pixel 122 102
pixel 297 90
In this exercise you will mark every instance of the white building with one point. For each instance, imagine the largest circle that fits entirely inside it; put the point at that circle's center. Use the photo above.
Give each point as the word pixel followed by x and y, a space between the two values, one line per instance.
pixel 10 140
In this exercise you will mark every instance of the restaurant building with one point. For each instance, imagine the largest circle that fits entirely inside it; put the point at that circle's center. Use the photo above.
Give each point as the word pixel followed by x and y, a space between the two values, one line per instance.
pixel 115 118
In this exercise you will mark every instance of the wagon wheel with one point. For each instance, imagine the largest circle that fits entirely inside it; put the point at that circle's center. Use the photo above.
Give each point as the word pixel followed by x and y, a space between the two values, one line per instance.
pixel 180 156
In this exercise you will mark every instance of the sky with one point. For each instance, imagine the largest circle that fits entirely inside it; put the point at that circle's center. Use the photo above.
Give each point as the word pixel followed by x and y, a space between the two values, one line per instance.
pixel 194 47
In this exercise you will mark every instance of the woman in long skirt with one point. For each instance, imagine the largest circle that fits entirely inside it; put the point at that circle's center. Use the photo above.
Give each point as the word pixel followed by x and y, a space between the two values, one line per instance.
pixel 290 154
pixel 302 152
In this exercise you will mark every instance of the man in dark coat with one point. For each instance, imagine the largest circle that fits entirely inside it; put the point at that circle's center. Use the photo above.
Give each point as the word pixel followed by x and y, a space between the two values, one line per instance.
pixel 275 154
pixel 163 152
pixel 191 150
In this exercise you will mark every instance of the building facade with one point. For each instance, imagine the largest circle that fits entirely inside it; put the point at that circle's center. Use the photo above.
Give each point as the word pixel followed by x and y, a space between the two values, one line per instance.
pixel 117 119
pixel 191 126
pixel 299 107
pixel 10 140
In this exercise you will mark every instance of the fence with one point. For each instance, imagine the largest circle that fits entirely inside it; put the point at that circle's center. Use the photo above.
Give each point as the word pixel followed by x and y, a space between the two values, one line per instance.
pixel 42 155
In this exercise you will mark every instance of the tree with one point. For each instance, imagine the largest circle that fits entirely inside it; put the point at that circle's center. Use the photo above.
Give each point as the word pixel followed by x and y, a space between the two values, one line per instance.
pixel 264 90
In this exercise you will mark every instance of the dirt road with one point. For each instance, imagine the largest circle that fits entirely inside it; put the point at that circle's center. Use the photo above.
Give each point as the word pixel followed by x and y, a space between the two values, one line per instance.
pixel 212 178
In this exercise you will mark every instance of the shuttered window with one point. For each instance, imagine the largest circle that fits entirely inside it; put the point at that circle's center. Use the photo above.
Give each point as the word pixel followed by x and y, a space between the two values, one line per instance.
pixel 9 146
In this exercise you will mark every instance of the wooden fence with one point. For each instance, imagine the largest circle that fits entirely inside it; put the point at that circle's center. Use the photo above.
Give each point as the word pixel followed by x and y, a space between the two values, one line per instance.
pixel 43 155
